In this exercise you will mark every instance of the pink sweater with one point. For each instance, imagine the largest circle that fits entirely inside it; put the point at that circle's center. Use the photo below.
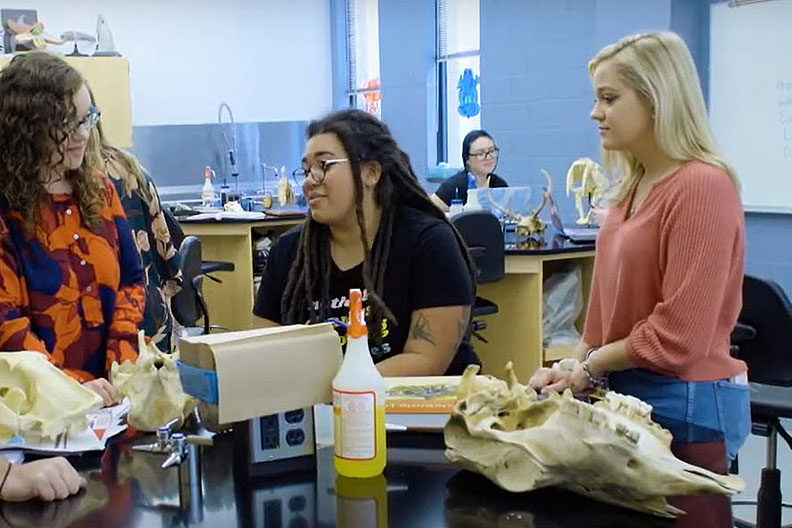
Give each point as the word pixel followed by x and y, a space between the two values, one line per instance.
pixel 669 278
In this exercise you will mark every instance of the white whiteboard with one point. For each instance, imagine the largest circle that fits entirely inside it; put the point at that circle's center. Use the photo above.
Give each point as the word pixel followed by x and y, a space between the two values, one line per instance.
pixel 751 98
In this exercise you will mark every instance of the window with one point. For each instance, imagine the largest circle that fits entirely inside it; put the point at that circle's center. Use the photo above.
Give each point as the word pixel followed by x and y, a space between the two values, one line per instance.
pixel 459 90
pixel 363 55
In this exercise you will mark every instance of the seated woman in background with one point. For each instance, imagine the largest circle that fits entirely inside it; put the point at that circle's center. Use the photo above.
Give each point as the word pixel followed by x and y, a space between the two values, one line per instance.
pixel 371 226
pixel 141 203
pixel 479 157
pixel 667 283
pixel 72 283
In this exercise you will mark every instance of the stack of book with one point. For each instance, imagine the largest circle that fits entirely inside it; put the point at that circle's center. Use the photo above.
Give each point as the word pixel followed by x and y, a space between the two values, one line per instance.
pixel 420 403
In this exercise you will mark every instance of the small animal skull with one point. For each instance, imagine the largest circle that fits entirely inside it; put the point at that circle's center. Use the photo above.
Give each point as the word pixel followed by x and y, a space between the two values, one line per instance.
pixel 153 386
pixel 610 450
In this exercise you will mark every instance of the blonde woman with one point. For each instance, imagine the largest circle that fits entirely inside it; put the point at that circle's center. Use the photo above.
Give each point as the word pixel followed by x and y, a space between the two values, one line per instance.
pixel 666 290
pixel 141 203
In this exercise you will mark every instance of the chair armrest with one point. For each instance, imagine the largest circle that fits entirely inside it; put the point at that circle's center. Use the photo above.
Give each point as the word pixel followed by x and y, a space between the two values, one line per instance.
pixel 209 266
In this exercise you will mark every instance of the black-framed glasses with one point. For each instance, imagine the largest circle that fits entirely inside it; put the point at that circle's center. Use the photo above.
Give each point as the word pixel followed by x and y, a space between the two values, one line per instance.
pixel 484 154
pixel 317 171
pixel 88 121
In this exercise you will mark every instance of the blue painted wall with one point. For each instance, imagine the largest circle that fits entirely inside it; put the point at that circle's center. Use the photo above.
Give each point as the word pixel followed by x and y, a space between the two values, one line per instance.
pixel 407 58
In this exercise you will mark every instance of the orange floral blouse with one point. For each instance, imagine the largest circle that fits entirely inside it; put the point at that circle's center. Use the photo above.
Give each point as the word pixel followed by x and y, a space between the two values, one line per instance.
pixel 71 292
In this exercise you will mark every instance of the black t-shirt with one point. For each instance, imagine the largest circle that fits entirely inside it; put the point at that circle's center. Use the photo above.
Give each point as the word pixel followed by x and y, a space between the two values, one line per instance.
pixel 426 269
pixel 457 186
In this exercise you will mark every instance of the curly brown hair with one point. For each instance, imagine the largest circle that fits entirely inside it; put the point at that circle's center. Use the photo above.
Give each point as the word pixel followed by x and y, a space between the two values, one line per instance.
pixel 36 91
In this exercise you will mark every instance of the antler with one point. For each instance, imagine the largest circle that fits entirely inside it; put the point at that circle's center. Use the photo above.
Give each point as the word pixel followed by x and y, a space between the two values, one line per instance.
pixel 506 211
pixel 545 194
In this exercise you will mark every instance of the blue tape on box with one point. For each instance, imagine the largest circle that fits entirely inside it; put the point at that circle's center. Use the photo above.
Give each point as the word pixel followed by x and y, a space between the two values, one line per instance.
pixel 199 382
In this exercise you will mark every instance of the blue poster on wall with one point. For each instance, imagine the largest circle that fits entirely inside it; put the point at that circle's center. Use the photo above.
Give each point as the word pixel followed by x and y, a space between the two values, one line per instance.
pixel 468 94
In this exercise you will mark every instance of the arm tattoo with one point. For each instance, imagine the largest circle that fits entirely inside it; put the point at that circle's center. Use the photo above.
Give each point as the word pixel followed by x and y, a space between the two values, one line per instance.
pixel 420 329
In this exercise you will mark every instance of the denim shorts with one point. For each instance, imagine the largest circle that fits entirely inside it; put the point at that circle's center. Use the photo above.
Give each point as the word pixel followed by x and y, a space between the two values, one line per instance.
pixel 693 411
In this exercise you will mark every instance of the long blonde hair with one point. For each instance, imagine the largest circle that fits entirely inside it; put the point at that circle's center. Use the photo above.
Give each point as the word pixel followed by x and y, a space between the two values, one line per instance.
pixel 100 154
pixel 658 65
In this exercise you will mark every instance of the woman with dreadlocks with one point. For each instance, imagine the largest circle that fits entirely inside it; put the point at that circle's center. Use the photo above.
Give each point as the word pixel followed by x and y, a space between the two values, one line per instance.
pixel 372 226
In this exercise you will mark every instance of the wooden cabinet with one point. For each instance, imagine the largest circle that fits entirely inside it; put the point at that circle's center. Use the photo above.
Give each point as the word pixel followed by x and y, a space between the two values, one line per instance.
pixel 515 332
pixel 108 77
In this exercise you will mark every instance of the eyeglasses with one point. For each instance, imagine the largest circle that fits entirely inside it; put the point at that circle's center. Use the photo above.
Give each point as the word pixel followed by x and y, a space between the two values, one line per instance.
pixel 88 121
pixel 484 154
pixel 317 171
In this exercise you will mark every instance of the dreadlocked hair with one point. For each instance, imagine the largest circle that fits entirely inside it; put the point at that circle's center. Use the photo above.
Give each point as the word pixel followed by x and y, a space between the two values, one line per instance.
pixel 36 91
pixel 365 139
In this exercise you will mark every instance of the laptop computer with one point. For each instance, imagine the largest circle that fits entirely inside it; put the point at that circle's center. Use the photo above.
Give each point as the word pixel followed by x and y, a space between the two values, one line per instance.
pixel 576 235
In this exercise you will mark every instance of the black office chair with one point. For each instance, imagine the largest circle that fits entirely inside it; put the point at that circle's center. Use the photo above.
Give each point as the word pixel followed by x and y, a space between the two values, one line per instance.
pixel 763 339
pixel 483 235
pixel 189 306
pixel 177 236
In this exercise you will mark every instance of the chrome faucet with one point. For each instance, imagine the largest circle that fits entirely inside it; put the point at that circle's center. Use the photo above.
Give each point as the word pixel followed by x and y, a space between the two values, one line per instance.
pixel 230 142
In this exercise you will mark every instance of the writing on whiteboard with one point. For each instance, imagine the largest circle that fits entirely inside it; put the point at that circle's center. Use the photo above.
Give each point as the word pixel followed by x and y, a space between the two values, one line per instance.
pixel 784 89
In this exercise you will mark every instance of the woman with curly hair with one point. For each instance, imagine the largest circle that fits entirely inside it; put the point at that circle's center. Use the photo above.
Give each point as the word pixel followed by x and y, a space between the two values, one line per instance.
pixel 141 203
pixel 71 282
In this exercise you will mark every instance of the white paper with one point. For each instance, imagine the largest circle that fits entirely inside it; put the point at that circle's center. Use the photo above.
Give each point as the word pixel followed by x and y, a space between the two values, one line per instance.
pixel 102 424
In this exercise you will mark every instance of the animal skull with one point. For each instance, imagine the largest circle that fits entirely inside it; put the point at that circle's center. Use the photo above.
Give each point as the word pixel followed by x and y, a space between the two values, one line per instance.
pixel 610 450
pixel 592 185
pixel 531 225
pixel 38 400
pixel 153 386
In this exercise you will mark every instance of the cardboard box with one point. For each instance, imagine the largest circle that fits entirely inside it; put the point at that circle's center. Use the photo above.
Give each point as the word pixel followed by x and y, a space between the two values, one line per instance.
pixel 263 371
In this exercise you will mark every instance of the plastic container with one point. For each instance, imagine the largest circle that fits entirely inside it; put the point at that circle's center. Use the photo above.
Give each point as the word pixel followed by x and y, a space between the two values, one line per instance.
pixel 358 403
pixel 473 203
pixel 456 207
pixel 208 196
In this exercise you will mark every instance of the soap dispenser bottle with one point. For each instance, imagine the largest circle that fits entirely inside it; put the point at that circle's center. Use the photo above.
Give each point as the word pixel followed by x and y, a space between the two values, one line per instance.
pixel 358 403
pixel 208 196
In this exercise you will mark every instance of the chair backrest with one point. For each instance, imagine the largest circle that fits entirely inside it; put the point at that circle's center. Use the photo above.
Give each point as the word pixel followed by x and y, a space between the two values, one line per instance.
pixel 767 309
pixel 174 227
pixel 483 235
pixel 186 305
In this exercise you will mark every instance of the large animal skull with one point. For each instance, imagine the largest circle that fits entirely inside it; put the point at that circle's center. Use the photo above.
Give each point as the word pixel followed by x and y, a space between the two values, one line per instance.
pixel 38 400
pixel 592 184
pixel 610 450
pixel 153 386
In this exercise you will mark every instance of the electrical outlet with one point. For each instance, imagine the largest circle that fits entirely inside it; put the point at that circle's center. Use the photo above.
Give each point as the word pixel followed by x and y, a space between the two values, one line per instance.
pixel 281 436
pixel 270 431
pixel 294 416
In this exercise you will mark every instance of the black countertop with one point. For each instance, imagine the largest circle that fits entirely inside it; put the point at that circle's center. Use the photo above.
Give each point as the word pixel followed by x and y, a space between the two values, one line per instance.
pixel 128 489
pixel 549 243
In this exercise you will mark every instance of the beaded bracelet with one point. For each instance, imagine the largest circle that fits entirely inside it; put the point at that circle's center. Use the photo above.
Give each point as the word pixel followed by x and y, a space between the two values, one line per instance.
pixel 5 477
pixel 595 381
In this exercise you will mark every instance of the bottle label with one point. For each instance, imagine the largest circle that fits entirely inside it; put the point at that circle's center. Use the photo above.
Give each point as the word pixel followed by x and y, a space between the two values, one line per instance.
pixel 354 416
